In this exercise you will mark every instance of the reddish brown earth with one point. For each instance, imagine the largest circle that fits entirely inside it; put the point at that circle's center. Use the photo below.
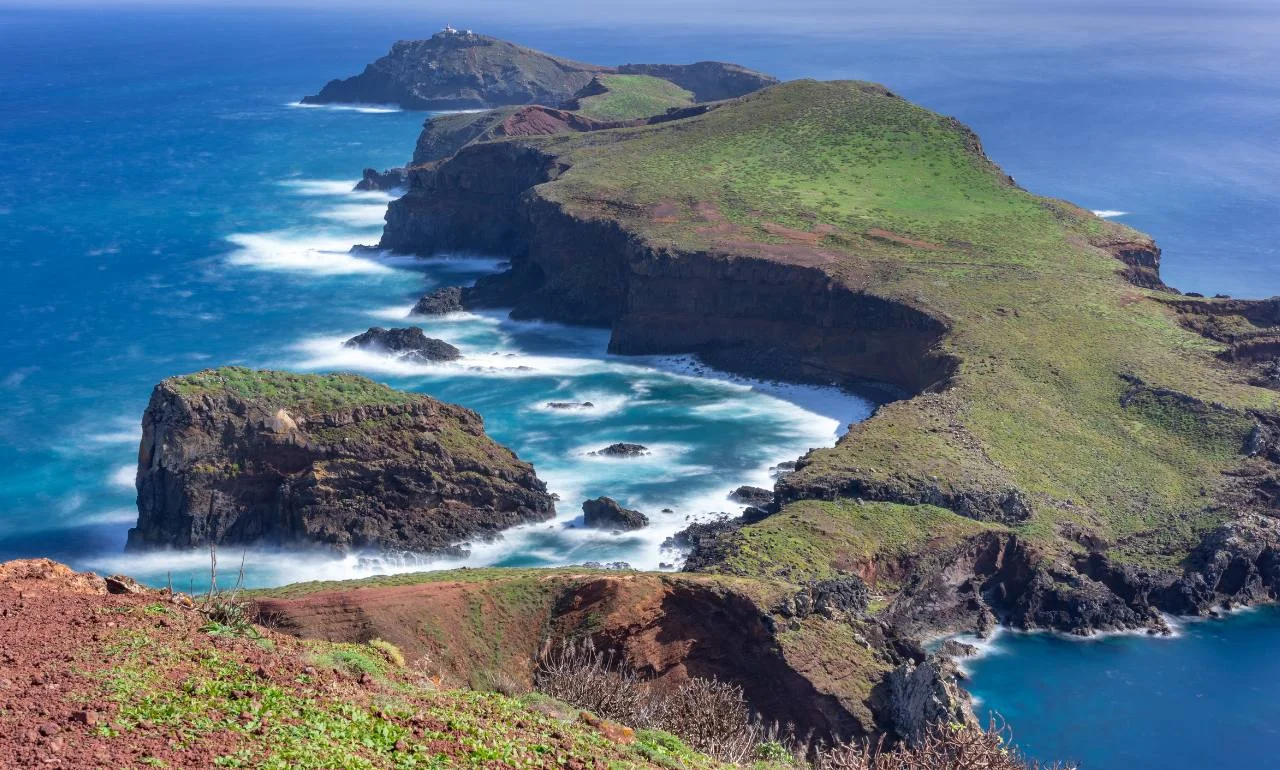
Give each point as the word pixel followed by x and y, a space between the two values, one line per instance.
pixel 49 617
pixel 65 640
pixel 459 632
pixel 666 627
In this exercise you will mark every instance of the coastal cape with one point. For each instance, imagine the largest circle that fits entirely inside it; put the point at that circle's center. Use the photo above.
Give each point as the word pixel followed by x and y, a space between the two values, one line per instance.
pixel 1071 451
pixel 463 70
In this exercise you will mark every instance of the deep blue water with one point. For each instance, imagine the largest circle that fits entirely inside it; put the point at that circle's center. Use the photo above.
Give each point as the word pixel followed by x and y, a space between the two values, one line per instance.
pixel 164 208
pixel 1205 699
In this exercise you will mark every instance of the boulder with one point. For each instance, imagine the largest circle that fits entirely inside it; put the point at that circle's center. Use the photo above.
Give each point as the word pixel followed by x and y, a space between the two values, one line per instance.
pixel 409 343
pixel 605 513
pixel 447 299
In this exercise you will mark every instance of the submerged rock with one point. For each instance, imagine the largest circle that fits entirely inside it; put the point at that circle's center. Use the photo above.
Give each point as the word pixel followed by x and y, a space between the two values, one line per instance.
pixel 569 405
pixel 408 343
pixel 622 449
pixel 606 513
pixel 237 456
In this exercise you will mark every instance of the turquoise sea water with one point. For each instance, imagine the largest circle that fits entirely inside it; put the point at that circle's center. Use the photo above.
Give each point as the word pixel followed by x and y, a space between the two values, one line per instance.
pixel 164 208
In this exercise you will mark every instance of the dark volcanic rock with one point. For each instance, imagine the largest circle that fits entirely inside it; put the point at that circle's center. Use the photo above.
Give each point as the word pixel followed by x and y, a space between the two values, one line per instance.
pixel 454 71
pixel 605 513
pixel 845 596
pixel 622 450
pixel 447 299
pixel 917 697
pixel 409 343
pixel 757 496
pixel 375 180
pixel 235 456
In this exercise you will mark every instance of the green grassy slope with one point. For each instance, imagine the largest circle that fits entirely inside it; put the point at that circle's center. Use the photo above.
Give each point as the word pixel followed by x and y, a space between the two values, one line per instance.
pixel 633 96
pixel 897 201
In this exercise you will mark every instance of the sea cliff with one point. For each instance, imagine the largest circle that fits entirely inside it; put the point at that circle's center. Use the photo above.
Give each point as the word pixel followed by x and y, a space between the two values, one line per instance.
pixel 236 456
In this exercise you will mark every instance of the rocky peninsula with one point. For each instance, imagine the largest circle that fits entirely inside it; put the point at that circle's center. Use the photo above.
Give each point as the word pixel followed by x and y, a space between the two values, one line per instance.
pixel 238 456
pixel 1080 447
pixel 463 70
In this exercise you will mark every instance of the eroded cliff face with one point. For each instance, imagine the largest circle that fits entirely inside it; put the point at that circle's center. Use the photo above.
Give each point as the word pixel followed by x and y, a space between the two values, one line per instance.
pixel 219 467
pixel 747 314
pixel 819 664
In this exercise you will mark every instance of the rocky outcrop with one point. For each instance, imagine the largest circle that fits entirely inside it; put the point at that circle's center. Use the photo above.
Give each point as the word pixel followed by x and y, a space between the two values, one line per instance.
pixel 708 81
pixel 444 135
pixel 569 405
pixel 757 496
pixel 444 300
pixel 235 456
pixel 606 513
pixel 383 181
pixel 460 71
pixel 920 696
pixel 409 344
pixel 622 449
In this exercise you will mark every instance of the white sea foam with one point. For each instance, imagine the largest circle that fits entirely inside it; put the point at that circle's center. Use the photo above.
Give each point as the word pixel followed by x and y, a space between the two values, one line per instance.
pixel 1109 213
pixel 368 109
pixel 115 437
pixel 321 187
pixel 123 476
pixel 291 252
pixel 111 516
pixel 356 214
pixel 602 405
pixel 391 313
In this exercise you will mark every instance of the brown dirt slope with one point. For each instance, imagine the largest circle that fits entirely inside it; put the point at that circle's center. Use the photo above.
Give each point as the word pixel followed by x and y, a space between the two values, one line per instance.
pixel 90 679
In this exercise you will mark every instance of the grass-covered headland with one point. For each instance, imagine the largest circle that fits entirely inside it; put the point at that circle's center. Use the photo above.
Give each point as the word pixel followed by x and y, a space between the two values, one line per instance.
pixel 1064 411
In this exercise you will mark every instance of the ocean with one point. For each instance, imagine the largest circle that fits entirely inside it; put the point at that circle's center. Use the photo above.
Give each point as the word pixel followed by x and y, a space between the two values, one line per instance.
pixel 166 206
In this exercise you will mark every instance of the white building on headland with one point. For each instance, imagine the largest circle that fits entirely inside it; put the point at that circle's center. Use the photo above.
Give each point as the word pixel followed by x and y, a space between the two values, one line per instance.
pixel 449 30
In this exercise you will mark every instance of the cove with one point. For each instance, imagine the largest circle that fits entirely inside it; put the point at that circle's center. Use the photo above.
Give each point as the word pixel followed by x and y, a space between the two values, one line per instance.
pixel 1202 698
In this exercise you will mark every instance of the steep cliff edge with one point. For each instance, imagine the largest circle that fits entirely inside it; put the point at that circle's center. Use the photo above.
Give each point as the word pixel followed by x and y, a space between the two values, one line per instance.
pixel 801 655
pixel 1055 399
pixel 241 456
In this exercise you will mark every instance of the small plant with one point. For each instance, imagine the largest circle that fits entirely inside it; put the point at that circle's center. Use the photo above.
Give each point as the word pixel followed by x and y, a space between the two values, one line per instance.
pixel 775 752
pixel 389 651
pixel 352 660
pixel 225 613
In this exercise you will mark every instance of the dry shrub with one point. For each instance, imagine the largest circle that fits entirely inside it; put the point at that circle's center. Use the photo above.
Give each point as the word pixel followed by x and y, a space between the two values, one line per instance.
pixel 942 747
pixel 711 716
